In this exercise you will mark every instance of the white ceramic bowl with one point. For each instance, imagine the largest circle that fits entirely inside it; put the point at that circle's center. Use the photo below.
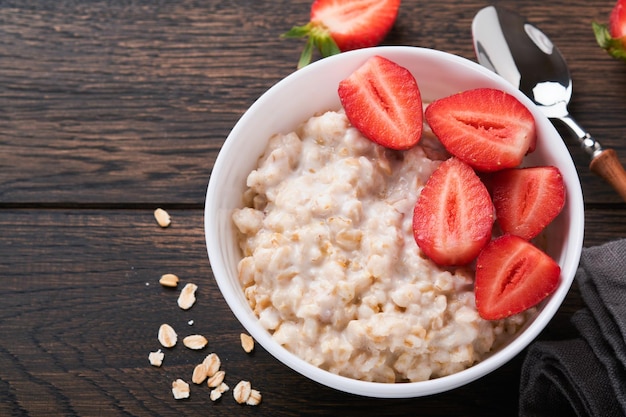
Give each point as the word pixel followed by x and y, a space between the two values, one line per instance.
pixel 314 89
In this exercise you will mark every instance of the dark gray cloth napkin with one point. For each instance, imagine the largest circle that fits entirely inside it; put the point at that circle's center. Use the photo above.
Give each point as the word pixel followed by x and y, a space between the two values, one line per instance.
pixel 585 376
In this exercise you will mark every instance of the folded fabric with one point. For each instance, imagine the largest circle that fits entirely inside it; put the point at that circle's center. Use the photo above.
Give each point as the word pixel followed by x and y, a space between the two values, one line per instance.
pixel 585 376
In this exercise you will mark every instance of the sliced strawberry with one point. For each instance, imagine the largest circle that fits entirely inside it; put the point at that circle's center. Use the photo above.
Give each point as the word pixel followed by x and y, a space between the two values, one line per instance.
pixel 527 199
pixel 343 25
pixel 453 216
pixel 487 128
pixel 383 101
pixel 612 38
pixel 512 275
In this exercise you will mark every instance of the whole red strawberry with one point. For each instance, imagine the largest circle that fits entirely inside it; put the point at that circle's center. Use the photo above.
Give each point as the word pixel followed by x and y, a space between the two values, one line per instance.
pixel 612 38
pixel 342 25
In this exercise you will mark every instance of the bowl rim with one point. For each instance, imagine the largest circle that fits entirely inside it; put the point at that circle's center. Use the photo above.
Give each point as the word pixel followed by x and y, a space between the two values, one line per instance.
pixel 409 389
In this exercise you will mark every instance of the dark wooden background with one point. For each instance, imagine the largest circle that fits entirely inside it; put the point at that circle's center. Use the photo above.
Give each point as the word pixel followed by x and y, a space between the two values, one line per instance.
pixel 112 108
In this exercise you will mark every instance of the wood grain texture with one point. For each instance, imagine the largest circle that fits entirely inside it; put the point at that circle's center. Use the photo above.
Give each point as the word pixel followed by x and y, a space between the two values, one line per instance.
pixel 112 101
pixel 130 102
pixel 81 306
pixel 111 108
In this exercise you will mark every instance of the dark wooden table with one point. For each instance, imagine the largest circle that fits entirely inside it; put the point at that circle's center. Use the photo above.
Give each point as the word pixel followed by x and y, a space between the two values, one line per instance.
pixel 112 108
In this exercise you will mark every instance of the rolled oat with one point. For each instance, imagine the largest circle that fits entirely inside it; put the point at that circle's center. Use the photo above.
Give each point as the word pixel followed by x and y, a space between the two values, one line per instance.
pixel 162 217
pixel 254 398
pixel 156 358
pixel 195 341
pixel 169 280
pixel 216 379
pixel 213 363
pixel 218 391
pixel 215 395
pixel 180 389
pixel 187 296
pixel 241 392
pixel 199 374
pixel 247 342
pixel 167 336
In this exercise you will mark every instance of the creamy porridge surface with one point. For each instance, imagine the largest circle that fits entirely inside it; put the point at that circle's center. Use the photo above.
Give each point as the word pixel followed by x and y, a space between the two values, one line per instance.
pixel 332 270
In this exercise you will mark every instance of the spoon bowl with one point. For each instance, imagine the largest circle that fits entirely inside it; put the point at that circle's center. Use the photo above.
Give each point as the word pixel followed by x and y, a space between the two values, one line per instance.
pixel 507 44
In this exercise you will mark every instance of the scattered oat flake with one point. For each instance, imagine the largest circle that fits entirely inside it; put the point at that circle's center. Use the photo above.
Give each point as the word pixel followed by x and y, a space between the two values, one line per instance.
pixel 213 363
pixel 215 395
pixel 167 336
pixel 217 392
pixel 247 342
pixel 169 280
pixel 199 374
pixel 209 369
pixel 180 389
pixel 241 392
pixel 156 358
pixel 187 296
pixel 216 379
pixel 195 341
pixel 162 217
pixel 254 398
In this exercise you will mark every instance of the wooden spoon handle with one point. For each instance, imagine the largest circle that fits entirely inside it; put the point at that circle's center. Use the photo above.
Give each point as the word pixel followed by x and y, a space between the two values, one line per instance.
pixel 607 165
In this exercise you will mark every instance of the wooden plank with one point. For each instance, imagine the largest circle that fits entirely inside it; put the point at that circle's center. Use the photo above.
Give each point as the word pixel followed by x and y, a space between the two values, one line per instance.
pixel 81 306
pixel 110 101
pixel 109 108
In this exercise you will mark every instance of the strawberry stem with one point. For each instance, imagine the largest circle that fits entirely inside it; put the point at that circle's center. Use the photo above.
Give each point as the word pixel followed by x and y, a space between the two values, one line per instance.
pixel 614 46
pixel 326 45
pixel 298 31
pixel 317 37
pixel 307 54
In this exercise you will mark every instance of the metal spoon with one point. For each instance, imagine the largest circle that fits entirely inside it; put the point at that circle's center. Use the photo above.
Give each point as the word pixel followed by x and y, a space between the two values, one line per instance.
pixel 505 43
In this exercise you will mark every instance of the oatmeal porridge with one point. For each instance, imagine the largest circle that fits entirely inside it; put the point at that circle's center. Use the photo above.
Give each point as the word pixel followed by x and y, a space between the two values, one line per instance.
pixel 331 268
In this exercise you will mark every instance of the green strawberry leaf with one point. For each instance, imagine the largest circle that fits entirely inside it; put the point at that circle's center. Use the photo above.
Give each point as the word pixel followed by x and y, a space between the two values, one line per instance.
pixel 298 31
pixel 307 54
pixel 614 46
pixel 327 46
pixel 317 37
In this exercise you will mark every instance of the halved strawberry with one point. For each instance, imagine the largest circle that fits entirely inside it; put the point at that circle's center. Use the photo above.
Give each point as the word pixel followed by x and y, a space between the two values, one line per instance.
pixel 512 275
pixel 527 199
pixel 453 216
pixel 487 128
pixel 612 38
pixel 342 25
pixel 382 100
